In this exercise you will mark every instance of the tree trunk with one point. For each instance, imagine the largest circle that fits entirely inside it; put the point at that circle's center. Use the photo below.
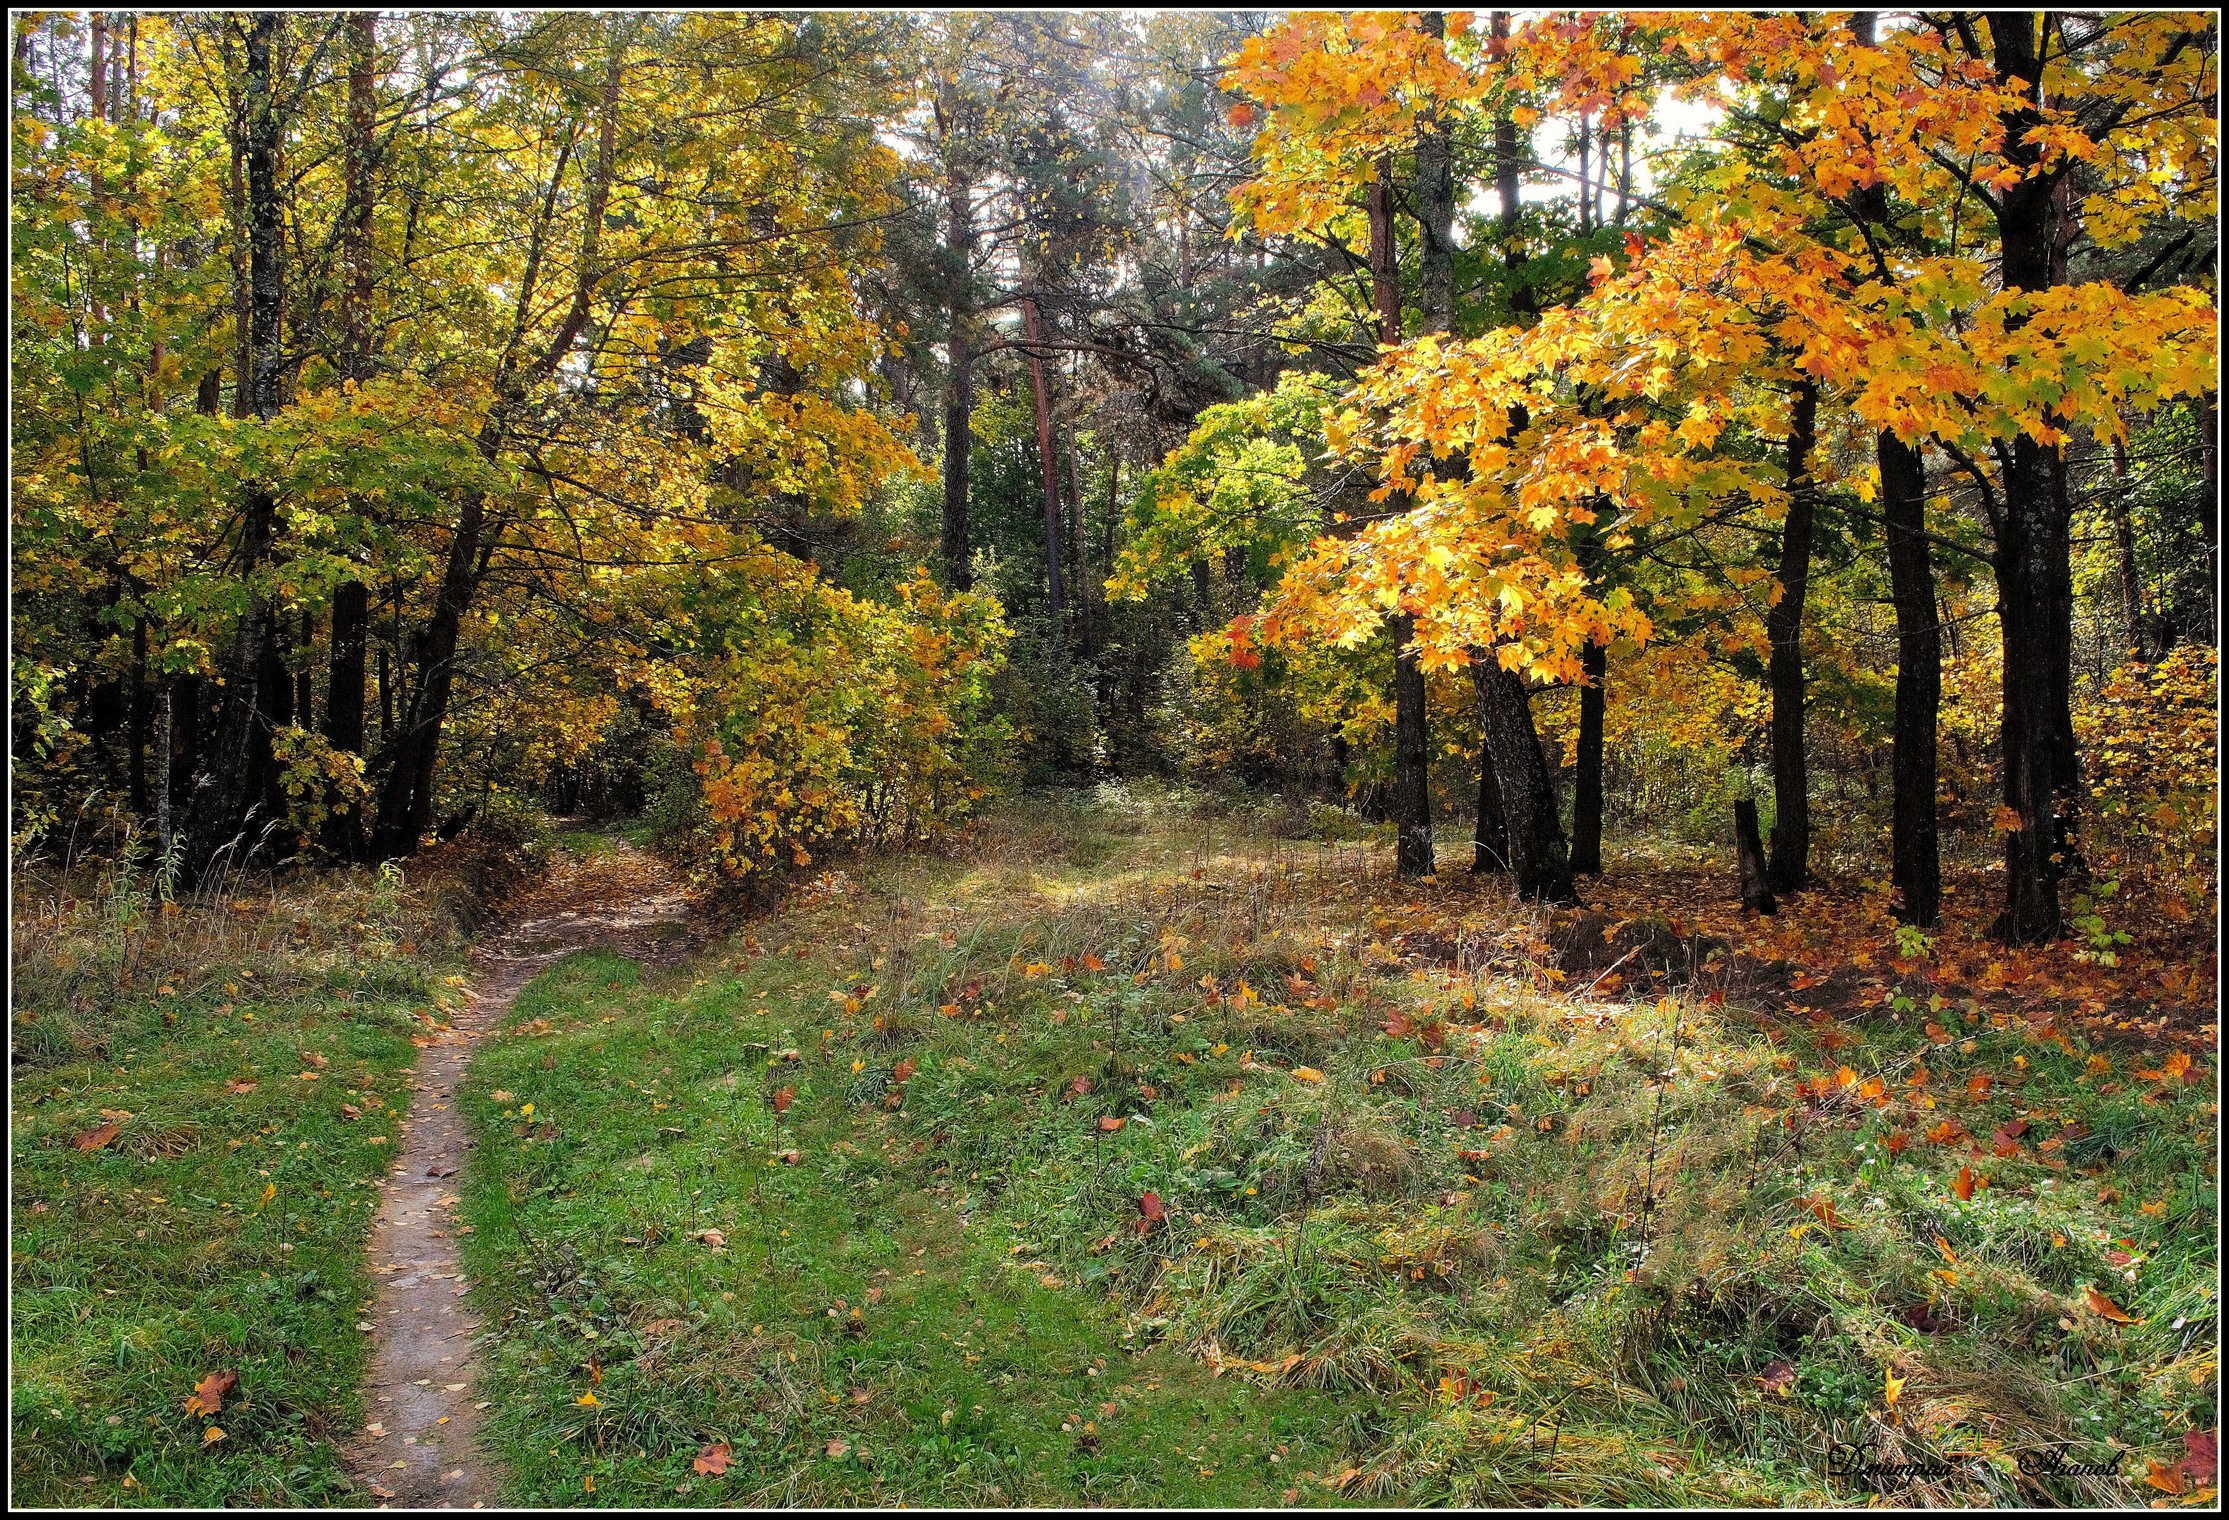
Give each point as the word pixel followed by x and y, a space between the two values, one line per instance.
pixel 1586 796
pixel 1048 466
pixel 240 763
pixel 1749 853
pixel 344 677
pixel 1490 834
pixel 163 741
pixel 1412 797
pixel 2035 591
pixel 1915 868
pixel 97 67
pixel 141 719
pixel 959 386
pixel 406 803
pixel 1539 855
pixel 2135 645
pixel 1791 818
pixel 1412 790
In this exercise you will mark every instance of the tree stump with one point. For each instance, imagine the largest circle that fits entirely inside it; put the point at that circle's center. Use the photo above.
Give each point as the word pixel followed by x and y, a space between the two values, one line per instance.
pixel 1749 850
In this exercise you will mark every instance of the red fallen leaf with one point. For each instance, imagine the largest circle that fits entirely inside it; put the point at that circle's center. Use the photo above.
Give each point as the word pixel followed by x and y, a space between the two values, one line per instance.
pixel 783 1098
pixel 1899 1142
pixel 1964 1186
pixel 1924 1319
pixel 351 1111
pixel 239 1085
pixel 1153 1208
pixel 1148 1092
pixel 1399 1025
pixel 1108 1123
pixel 791 1158
pixel 1466 1120
pixel 1978 1086
pixel 904 1069
pixel 1078 1088
pixel 2105 1308
pixel 207 1398
pixel 2006 1140
pixel 1824 1209
pixel 1068 964
pixel 2202 1460
pixel 712 1460
pixel 96 1137
pixel 1432 1036
pixel 2118 1258
pixel 1472 1155
pixel 1094 963
pixel 1778 1377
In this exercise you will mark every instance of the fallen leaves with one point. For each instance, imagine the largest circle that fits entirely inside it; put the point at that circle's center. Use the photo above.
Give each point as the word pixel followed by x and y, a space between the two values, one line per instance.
pixel 1778 1377
pixel 2105 1308
pixel 96 1137
pixel 712 1459
pixel 207 1398
pixel 1823 1207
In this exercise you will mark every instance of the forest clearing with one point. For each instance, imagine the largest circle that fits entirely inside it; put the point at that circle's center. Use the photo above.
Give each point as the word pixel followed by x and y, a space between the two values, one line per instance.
pixel 1134 759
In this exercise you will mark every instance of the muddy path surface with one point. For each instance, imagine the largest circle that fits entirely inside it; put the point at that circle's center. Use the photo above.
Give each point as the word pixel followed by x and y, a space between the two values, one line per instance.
pixel 417 1449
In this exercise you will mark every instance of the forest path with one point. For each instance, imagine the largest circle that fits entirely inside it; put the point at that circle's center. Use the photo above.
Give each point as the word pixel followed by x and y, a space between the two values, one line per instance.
pixel 417 1448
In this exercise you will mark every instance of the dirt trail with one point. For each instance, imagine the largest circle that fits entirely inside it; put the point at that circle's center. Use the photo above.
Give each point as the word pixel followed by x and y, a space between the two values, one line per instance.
pixel 417 1448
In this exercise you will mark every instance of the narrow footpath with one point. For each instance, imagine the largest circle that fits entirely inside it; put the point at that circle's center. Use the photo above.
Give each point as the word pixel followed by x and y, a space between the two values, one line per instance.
pixel 417 1449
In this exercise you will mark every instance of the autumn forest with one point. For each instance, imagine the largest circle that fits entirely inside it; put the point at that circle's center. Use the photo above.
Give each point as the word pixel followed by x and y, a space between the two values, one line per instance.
pixel 1144 758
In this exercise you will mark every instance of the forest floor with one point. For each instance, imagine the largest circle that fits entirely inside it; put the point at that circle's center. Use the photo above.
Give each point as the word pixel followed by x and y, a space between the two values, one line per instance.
pixel 1129 1155
pixel 1123 1153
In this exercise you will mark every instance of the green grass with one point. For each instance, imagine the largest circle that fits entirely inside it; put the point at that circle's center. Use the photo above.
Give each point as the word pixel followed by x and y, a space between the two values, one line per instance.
pixel 1427 1276
pixel 218 1230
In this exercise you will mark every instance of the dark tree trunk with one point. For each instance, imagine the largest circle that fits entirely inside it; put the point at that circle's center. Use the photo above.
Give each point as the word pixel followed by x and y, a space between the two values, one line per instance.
pixel 142 719
pixel 1412 791
pixel 1915 868
pixel 1435 211
pixel 1412 798
pixel 1749 853
pixel 240 764
pixel 344 675
pixel 1490 841
pixel 1791 799
pixel 305 693
pixel 1539 855
pixel 959 386
pixel 2035 590
pixel 1586 796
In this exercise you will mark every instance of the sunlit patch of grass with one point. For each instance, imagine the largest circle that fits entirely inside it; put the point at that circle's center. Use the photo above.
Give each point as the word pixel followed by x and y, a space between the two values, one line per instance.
pixel 1252 1120
pixel 250 1051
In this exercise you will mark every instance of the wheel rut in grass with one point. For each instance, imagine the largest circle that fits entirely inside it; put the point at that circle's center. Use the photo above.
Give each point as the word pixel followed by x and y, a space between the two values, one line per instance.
pixel 417 1448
